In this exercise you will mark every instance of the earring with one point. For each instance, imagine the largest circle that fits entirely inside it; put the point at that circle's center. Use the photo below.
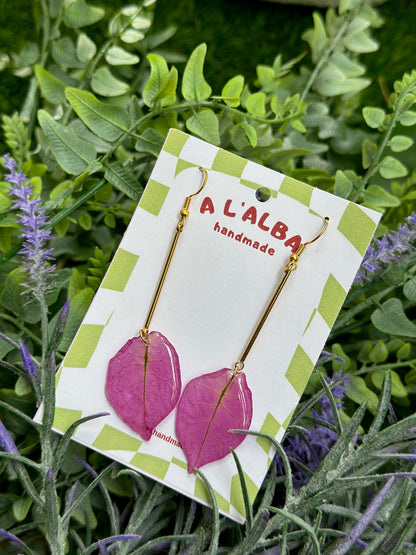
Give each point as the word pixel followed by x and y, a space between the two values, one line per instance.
pixel 214 403
pixel 143 380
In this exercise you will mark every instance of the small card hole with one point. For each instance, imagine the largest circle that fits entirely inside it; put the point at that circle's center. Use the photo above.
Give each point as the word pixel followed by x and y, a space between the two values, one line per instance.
pixel 263 194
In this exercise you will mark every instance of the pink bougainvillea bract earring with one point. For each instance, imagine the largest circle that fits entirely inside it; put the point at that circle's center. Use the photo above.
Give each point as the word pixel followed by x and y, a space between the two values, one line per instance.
pixel 213 404
pixel 143 380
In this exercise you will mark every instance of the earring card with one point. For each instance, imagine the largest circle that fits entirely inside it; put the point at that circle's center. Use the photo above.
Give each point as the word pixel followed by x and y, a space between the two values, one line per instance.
pixel 227 264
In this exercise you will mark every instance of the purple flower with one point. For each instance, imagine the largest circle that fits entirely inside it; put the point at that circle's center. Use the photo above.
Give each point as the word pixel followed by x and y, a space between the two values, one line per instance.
pixel 14 540
pixel 390 248
pixel 352 537
pixel 28 364
pixel 306 451
pixel 36 257
pixel 6 441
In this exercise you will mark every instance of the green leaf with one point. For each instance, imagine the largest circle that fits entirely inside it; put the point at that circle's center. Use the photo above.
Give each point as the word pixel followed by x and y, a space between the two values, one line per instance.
pixel 232 90
pixel 77 13
pixel 117 56
pixel 141 22
pixel 194 86
pixel 256 104
pixel 379 353
pixel 110 220
pixel 72 153
pixel 162 83
pixel 346 5
pixel 5 202
pixel 130 36
pixel 107 121
pixel 63 52
pixel 250 132
pixel 78 307
pixel 15 298
pixel 21 508
pixel 374 117
pixel 52 88
pixel 28 56
pixel 85 220
pixel 408 118
pixel 399 143
pixel 159 74
pixel 348 67
pixel 360 42
pixel 150 141
pixel 332 82
pixel 409 289
pixel 377 196
pixel 391 319
pixel 86 48
pixel 394 274
pixel 343 185
pixel 397 387
pixel 391 168
pixel 104 83
pixel 358 392
pixel 118 176
pixel 316 37
pixel 205 124
pixel 369 152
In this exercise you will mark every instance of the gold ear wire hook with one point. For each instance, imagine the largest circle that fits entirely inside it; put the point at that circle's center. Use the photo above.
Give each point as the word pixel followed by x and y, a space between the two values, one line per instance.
pixel 288 269
pixel 184 213
pixel 201 169
pixel 326 223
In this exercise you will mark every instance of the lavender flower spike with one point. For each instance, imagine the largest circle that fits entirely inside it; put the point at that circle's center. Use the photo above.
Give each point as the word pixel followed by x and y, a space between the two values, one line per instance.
pixel 28 364
pixel 36 257
pixel 6 441
pixel 352 537
pixel 390 248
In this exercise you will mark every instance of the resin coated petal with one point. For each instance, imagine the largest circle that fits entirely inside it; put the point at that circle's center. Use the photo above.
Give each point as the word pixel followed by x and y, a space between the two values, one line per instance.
pixel 143 382
pixel 210 406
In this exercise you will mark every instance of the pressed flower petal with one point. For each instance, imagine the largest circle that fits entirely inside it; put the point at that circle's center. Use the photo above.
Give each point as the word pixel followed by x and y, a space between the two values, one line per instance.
pixel 143 382
pixel 210 406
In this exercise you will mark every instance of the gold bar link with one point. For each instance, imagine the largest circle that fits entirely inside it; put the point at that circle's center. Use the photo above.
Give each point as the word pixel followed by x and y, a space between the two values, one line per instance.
pixel 184 213
pixel 290 267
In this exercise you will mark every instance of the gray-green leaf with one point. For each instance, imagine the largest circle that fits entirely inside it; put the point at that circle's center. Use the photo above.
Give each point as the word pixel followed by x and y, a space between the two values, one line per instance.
pixel 104 83
pixel 391 319
pixel 118 176
pixel 77 13
pixel 117 56
pixel 150 141
pixel 399 143
pixel 378 196
pixel 194 86
pixel 72 153
pixel 85 48
pixel 52 88
pixel 391 168
pixel 373 117
pixel 105 120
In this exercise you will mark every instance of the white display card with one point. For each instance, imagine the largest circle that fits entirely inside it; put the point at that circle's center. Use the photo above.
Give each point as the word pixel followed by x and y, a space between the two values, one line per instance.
pixel 227 264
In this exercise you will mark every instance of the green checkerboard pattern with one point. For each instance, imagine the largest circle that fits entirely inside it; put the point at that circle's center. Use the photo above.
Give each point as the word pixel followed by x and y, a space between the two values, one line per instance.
pixel 355 227
pixel 120 271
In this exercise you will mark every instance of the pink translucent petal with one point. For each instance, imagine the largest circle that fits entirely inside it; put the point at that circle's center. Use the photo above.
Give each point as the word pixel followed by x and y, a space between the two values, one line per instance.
pixel 210 406
pixel 143 382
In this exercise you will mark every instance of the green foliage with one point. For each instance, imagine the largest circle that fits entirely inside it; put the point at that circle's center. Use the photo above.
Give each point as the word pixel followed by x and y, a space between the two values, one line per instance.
pixel 101 95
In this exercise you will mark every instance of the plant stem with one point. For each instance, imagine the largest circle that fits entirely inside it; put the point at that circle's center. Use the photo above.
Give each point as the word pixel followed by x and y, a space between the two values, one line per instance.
pixel 324 58
pixel 374 166
pixel 386 366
